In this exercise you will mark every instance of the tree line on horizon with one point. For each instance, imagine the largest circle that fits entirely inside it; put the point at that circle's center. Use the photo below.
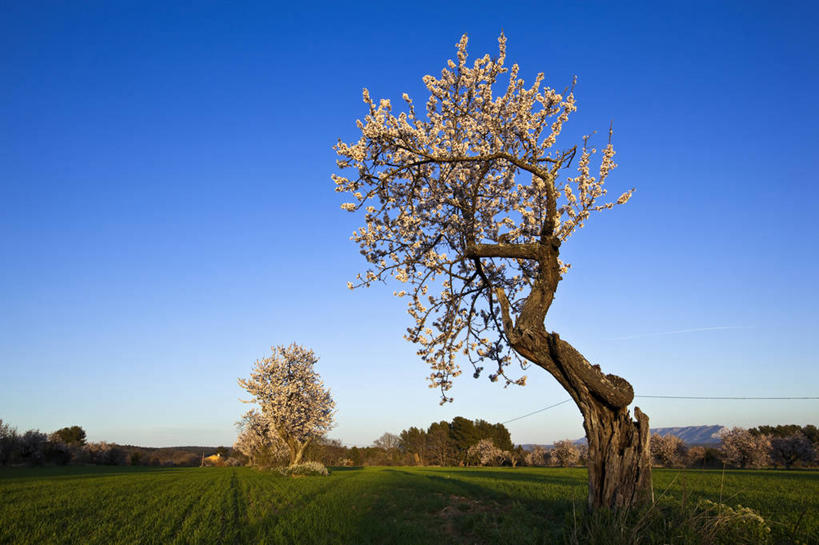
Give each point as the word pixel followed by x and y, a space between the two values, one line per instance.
pixel 464 442
pixel 460 442
pixel 68 445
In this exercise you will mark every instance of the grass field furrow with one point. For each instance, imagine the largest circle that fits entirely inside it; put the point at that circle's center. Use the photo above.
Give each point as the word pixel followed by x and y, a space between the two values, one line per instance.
pixel 406 505
pixel 165 515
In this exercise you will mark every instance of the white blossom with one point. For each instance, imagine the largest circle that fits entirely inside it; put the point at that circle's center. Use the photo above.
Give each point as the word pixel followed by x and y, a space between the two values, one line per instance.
pixel 477 164
pixel 668 450
pixel 742 448
pixel 565 453
pixel 485 453
pixel 539 456
pixel 293 402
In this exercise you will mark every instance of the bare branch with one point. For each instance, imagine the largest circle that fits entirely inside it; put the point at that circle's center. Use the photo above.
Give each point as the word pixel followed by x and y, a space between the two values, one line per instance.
pixel 519 251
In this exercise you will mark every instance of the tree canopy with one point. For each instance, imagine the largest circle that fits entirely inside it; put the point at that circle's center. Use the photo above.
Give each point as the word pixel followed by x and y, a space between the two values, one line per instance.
pixel 293 402
pixel 464 205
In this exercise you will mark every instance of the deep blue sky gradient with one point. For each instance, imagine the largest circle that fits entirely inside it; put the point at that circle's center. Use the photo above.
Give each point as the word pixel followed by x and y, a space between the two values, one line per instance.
pixel 167 213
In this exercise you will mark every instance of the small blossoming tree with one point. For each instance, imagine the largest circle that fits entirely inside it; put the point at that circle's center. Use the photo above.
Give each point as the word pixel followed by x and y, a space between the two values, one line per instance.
pixel 741 448
pixel 485 453
pixel 464 206
pixel 668 450
pixel 294 404
pixel 565 453
pixel 539 456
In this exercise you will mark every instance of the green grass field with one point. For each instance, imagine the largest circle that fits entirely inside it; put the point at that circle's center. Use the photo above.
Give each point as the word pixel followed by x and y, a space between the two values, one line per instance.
pixel 112 505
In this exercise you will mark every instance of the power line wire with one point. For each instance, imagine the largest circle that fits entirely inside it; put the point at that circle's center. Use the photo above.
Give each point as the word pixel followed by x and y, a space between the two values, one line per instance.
pixel 668 397
pixel 724 397
pixel 538 411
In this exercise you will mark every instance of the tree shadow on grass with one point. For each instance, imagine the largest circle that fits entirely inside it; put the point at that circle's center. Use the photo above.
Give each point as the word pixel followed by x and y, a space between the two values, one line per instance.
pixel 462 481
pixel 409 506
pixel 522 475
pixel 473 512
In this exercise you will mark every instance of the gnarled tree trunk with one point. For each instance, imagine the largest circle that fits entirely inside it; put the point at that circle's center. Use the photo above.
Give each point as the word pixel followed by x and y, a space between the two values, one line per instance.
pixel 619 456
pixel 619 462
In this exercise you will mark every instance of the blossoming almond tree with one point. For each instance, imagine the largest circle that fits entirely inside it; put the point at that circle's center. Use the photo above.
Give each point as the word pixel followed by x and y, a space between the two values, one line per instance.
pixel 565 453
pixel 742 448
pixel 485 453
pixel 464 206
pixel 669 450
pixel 292 397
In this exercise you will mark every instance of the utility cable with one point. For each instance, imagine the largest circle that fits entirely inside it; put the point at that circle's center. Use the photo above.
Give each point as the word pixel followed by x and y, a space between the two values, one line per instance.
pixel 670 397
pixel 725 397
pixel 538 411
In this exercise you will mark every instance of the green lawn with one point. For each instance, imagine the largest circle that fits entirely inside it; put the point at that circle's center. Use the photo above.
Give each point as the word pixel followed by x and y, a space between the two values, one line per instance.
pixel 373 505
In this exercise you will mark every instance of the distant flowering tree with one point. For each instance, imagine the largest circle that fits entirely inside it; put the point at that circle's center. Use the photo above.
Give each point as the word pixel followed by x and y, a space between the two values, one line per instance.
pixel 668 450
pixel 565 453
pixel 105 454
pixel 448 211
pixel 539 456
pixel 794 448
pixel 742 448
pixel 695 456
pixel 291 396
pixel 485 453
pixel 259 441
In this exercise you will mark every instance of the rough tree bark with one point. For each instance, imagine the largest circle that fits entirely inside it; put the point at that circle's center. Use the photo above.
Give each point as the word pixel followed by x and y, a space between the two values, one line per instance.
pixel 619 455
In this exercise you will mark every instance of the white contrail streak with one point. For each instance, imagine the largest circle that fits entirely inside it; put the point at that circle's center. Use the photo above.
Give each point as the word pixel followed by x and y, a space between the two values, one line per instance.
pixel 676 332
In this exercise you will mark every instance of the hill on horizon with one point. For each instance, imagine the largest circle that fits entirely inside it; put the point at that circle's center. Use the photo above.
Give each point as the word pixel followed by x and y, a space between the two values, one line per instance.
pixel 703 436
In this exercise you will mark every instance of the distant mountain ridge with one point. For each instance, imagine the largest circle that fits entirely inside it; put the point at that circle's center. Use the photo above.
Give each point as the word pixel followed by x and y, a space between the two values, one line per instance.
pixel 704 436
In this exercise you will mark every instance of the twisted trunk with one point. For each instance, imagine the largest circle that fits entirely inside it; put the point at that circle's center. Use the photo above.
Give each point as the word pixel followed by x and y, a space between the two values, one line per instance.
pixel 619 457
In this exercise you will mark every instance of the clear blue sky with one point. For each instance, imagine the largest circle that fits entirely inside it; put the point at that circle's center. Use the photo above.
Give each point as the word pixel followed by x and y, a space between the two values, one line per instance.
pixel 167 213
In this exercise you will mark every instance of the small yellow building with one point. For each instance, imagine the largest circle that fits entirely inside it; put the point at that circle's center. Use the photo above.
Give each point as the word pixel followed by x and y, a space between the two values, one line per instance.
pixel 213 460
